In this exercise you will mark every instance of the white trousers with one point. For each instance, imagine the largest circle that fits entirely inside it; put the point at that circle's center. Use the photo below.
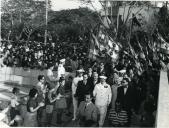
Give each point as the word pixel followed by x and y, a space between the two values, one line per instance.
pixel 75 103
pixel 102 113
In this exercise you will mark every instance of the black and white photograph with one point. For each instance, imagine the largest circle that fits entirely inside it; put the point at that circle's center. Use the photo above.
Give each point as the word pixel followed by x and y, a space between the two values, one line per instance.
pixel 84 63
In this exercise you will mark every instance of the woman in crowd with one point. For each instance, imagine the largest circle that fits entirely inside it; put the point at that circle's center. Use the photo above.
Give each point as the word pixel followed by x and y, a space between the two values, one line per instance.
pixel 117 116
pixel 4 118
pixel 41 87
pixel 50 99
pixel 60 104
pixel 32 107
pixel 14 110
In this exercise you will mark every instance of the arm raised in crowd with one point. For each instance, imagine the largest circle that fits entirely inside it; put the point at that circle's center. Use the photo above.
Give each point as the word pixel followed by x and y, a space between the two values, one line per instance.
pixel 35 109
pixel 53 91
pixel 52 78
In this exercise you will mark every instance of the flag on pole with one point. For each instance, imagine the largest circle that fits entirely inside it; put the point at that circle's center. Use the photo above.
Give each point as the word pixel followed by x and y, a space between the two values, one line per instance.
pixel 27 30
pixel 93 51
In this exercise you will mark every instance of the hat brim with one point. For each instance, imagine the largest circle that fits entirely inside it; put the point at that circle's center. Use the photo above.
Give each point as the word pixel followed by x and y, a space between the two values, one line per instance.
pixel 80 70
pixel 62 60
pixel 103 77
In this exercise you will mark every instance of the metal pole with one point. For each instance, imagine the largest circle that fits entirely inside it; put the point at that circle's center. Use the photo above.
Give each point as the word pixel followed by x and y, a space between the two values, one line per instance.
pixel 46 21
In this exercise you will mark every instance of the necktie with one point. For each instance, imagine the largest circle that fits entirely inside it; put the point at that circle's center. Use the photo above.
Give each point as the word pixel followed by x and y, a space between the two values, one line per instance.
pixel 125 90
pixel 85 107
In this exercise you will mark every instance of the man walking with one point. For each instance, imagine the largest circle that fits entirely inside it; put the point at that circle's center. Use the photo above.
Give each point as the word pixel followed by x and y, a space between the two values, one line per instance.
pixel 102 93
pixel 74 87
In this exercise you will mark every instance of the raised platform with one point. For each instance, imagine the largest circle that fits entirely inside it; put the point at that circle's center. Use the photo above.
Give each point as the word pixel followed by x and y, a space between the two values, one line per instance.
pixel 162 120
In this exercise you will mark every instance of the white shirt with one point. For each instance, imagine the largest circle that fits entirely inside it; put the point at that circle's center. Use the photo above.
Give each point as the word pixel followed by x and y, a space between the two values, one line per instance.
pixel 88 103
pixel 95 81
pixel 14 101
pixel 74 84
pixel 49 72
pixel 40 85
pixel 125 90
pixel 61 70
pixel 103 94
pixel 41 88
pixel 50 75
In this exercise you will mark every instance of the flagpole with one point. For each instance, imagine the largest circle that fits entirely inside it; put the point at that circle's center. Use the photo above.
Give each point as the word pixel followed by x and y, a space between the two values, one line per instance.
pixel 46 21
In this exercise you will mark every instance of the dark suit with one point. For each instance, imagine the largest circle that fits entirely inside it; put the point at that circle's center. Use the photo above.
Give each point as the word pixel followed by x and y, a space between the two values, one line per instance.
pixel 127 100
pixel 81 90
pixel 85 113
pixel 99 71
pixel 92 83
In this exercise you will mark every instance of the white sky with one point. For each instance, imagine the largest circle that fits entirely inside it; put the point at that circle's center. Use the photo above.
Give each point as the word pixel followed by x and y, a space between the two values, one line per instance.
pixel 58 5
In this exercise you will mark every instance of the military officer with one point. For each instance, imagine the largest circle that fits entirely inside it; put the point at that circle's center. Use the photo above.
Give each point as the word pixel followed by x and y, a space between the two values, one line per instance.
pixel 61 69
pixel 103 94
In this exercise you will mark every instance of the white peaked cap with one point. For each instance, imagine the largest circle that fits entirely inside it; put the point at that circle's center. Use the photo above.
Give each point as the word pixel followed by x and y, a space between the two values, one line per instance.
pixel 117 47
pixel 103 77
pixel 62 60
pixel 80 70
pixel 122 71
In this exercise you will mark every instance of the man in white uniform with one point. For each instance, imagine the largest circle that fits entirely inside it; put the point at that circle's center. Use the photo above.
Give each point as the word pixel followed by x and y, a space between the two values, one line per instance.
pixel 61 69
pixel 103 94
pixel 74 87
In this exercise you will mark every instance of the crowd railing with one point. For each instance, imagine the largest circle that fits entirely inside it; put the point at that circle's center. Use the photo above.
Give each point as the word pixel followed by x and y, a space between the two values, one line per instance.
pixel 22 76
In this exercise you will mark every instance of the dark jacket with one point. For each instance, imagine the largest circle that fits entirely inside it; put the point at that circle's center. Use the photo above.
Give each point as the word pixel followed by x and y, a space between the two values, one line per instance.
pixel 127 100
pixel 81 90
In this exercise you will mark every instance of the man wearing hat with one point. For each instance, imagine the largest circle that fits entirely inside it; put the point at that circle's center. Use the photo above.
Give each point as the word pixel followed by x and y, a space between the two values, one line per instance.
pixel 74 87
pixel 61 69
pixel 103 95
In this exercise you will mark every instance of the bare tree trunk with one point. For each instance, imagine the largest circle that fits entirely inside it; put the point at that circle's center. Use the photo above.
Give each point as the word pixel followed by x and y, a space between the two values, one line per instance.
pixel 20 35
pixel 9 36
pixel 11 20
pixel 128 14
pixel 124 12
pixel 20 20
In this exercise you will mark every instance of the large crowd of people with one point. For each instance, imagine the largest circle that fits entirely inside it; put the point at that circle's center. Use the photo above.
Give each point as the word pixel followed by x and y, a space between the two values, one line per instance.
pixel 114 91
pixel 37 55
